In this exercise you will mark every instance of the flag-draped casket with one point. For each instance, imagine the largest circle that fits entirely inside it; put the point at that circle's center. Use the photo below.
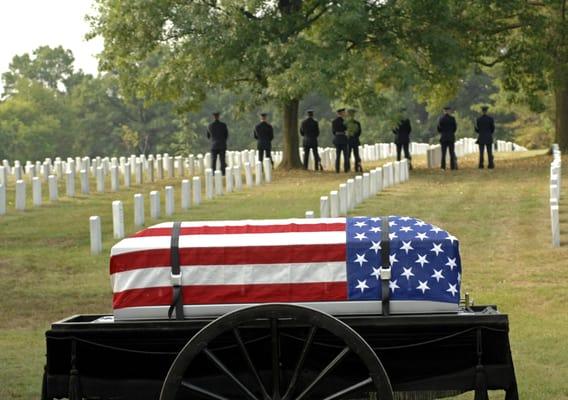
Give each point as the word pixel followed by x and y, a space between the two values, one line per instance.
pixel 338 265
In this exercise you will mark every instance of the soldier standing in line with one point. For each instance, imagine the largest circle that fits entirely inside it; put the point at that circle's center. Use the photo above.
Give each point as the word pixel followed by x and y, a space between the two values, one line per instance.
pixel 485 126
pixel 264 133
pixel 402 138
pixel 447 128
pixel 309 129
pixel 354 132
pixel 218 133
pixel 340 140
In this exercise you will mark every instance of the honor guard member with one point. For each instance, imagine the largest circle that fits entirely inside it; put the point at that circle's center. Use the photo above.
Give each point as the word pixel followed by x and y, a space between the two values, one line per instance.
pixel 264 133
pixel 447 128
pixel 402 138
pixel 340 140
pixel 218 133
pixel 485 126
pixel 353 133
pixel 309 129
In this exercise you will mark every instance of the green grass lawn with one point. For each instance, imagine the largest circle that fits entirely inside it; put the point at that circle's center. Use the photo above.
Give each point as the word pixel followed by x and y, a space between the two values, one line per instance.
pixel 500 216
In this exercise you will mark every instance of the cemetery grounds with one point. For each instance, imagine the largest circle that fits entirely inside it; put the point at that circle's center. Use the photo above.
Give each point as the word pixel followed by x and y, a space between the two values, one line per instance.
pixel 501 218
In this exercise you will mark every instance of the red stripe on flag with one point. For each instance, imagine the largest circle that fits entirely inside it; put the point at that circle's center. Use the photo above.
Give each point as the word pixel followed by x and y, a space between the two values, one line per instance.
pixel 220 230
pixel 229 256
pixel 231 294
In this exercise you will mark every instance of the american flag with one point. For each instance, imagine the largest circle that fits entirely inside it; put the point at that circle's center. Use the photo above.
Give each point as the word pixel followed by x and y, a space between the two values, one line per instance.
pixel 310 261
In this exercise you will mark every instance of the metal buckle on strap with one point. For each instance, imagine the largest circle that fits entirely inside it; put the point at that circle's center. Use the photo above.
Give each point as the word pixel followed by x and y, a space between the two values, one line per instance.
pixel 176 279
pixel 385 273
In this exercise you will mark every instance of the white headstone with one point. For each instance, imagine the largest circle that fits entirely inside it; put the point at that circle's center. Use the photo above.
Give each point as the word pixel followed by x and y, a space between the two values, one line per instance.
pixel 20 195
pixel 228 179
pixel 151 170
pixel 127 175
pixel 154 204
pixel 117 219
pixel 36 191
pixel 258 173
pixel 138 172
pixel 366 185
pixel 196 190
pixel 70 184
pixel 248 175
pixel 324 207
pixel 84 181
pixel 3 176
pixel 358 189
pixel 96 235
pixel 351 202
pixel 160 168
pixel 138 209
pixel 555 225
pixel 218 183
pixel 185 194
pixel 343 199
pixel 2 199
pixel 52 186
pixel 333 204
pixel 100 180
pixel 169 192
pixel 267 170
pixel 238 178
pixel 113 179
pixel 309 214
pixel 209 183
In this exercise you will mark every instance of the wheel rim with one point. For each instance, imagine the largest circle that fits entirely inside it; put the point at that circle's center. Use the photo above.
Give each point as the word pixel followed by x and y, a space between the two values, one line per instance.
pixel 354 346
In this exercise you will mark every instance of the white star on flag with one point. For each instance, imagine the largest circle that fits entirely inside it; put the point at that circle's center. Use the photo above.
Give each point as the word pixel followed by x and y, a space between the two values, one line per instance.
pixel 360 236
pixel 376 272
pixel 437 248
pixel 422 260
pixel 362 285
pixel 392 235
pixel 406 246
pixel 435 229
pixel 376 246
pixel 360 224
pixel 423 286
pixel 406 229
pixel 451 238
pixel 452 289
pixel 392 223
pixel 375 219
pixel 420 223
pixel 459 277
pixel 421 236
pixel 451 263
pixel 361 259
pixel 407 273
pixel 438 275
pixel 392 259
pixel 393 286
pixel 405 218
pixel 375 229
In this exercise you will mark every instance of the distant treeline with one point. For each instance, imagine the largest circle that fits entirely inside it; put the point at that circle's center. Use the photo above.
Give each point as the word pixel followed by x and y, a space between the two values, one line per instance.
pixel 48 109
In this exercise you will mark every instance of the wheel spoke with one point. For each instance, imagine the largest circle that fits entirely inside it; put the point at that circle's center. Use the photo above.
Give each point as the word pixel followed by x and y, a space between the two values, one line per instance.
pixel 275 359
pixel 227 372
pixel 249 362
pixel 350 389
pixel 300 364
pixel 333 363
pixel 204 392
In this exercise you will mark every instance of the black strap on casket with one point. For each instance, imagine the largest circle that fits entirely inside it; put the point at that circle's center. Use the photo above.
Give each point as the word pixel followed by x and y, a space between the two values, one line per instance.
pixel 385 266
pixel 177 298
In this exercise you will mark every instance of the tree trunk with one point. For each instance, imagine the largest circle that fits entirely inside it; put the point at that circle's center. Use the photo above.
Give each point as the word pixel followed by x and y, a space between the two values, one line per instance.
pixel 291 156
pixel 561 136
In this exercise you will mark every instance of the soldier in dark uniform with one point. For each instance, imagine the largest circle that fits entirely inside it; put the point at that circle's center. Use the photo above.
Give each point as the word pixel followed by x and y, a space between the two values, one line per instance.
pixel 447 128
pixel 485 126
pixel 402 138
pixel 218 133
pixel 353 133
pixel 264 133
pixel 340 140
pixel 309 129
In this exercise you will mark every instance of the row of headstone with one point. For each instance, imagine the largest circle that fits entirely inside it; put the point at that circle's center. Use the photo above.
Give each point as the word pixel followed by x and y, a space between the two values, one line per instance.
pixel 132 168
pixel 504 146
pixel 191 193
pixel 356 190
pixel 555 186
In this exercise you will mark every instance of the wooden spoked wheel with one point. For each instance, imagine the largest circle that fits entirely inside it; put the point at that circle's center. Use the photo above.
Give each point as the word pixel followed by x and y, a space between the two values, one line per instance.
pixel 276 352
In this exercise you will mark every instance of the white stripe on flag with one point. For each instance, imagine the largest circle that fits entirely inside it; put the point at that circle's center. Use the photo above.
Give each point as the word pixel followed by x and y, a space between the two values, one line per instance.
pixel 254 222
pixel 231 275
pixel 129 245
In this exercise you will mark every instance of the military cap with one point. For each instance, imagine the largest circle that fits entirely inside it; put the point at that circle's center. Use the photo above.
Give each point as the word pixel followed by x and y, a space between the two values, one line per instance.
pixel 447 107
pixel 340 110
pixel 263 114
pixel 484 108
pixel 309 111
pixel 216 113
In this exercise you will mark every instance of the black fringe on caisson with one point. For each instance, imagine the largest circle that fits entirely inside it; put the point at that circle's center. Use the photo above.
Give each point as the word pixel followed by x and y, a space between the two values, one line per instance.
pixel 480 384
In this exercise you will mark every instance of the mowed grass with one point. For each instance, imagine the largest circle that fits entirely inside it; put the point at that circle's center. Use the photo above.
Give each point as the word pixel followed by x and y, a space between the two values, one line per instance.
pixel 501 218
